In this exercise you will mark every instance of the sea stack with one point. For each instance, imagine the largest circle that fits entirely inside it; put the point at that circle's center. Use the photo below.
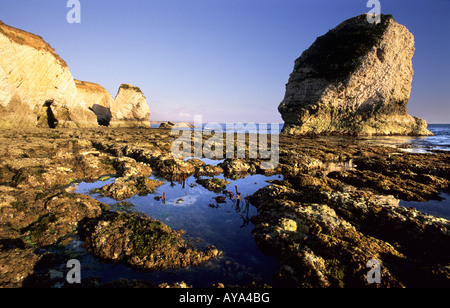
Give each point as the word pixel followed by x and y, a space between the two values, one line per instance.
pixel 130 108
pixel 354 80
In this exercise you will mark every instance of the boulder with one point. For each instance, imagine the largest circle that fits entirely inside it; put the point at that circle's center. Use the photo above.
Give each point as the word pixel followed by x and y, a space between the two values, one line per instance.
pixel 354 80
pixel 213 184
pixel 141 242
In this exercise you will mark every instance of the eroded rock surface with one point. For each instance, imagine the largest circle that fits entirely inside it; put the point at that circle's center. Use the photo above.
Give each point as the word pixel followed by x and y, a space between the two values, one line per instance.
pixel 322 226
pixel 326 239
pixel 142 242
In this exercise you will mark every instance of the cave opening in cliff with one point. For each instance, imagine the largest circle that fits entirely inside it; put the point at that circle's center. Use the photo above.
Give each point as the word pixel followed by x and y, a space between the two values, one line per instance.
pixel 103 114
pixel 46 117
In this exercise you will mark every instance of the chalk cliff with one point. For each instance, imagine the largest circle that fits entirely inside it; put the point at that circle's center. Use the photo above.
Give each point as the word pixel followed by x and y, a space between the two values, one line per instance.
pixel 97 99
pixel 356 80
pixel 130 108
pixel 37 88
pixel 32 73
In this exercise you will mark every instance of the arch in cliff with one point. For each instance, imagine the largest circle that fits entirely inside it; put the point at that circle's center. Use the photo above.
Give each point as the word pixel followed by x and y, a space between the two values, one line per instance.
pixel 103 114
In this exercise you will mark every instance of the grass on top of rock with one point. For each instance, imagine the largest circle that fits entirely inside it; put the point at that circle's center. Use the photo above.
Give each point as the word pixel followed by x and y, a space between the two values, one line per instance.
pixel 126 86
pixel 335 54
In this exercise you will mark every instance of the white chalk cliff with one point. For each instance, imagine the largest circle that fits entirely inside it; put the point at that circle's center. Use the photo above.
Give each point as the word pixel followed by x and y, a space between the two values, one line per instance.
pixel 35 81
pixel 130 108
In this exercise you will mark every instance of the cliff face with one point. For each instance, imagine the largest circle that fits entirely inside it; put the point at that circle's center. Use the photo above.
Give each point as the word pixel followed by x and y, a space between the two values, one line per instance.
pixel 356 79
pixel 97 99
pixel 32 73
pixel 37 88
pixel 130 108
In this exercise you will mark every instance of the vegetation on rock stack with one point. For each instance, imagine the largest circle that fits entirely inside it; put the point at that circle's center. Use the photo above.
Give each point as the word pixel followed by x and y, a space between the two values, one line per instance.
pixel 336 54
pixel 127 86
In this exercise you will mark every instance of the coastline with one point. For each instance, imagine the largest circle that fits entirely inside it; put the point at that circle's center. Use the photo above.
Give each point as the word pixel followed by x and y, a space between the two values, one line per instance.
pixel 326 226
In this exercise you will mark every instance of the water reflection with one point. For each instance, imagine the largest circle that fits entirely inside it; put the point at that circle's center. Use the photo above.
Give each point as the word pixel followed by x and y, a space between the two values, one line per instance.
pixel 221 219
pixel 329 167
pixel 432 207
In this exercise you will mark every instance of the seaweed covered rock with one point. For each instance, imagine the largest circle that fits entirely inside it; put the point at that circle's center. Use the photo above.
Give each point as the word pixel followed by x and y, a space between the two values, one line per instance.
pixel 142 242
pixel 124 188
pixel 326 238
pixel 355 79
pixel 213 184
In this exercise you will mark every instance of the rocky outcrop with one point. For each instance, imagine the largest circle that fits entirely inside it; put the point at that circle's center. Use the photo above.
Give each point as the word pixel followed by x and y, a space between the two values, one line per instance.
pixel 97 99
pixel 356 80
pixel 37 88
pixel 31 73
pixel 130 108
pixel 176 125
pixel 326 238
pixel 141 242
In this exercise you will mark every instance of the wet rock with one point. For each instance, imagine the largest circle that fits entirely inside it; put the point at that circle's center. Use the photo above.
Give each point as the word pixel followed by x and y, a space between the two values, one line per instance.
pixel 288 225
pixel 125 188
pixel 214 184
pixel 292 163
pixel 232 166
pixel 208 170
pixel 16 265
pixel 169 166
pixel 340 222
pixel 128 167
pixel 325 238
pixel 396 175
pixel 141 242
pixel 61 217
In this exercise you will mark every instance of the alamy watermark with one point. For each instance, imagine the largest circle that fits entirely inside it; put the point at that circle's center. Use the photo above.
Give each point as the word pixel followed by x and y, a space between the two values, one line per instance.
pixel 74 14
pixel 374 274
pixel 74 275
pixel 374 15
pixel 191 144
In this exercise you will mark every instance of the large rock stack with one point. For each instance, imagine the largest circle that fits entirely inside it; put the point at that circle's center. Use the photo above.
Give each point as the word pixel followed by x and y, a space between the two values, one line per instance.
pixel 130 108
pixel 354 80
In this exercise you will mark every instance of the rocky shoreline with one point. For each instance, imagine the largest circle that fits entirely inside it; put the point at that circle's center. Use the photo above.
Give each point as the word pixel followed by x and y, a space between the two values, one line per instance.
pixel 323 227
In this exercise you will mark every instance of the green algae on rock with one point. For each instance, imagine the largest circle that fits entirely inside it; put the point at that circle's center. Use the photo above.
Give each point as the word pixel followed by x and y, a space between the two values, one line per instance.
pixel 142 242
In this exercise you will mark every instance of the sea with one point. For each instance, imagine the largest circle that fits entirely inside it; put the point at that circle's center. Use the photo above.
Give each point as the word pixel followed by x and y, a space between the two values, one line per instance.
pixel 426 144
pixel 440 140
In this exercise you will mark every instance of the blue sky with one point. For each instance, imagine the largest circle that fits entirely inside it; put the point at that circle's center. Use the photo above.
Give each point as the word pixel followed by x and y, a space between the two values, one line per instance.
pixel 227 60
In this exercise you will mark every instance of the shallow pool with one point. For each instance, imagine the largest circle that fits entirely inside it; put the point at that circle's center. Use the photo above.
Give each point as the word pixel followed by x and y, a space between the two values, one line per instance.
pixel 433 207
pixel 190 207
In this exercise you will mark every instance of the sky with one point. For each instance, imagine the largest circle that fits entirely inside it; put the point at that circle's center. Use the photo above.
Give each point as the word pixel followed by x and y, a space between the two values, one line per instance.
pixel 226 60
